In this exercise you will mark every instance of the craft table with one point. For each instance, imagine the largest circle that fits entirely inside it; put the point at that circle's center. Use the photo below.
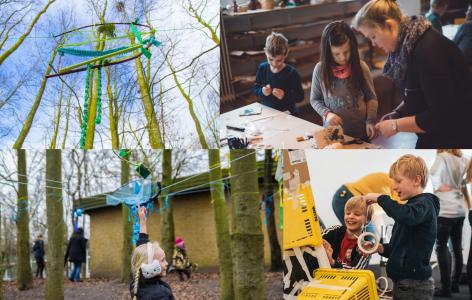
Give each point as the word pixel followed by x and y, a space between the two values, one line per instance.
pixel 280 130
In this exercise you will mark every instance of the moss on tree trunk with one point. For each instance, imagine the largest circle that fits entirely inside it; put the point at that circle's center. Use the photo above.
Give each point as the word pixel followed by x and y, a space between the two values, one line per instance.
pixel 223 239
pixel 127 246
pixel 167 216
pixel 247 240
pixel 55 223
pixel 23 267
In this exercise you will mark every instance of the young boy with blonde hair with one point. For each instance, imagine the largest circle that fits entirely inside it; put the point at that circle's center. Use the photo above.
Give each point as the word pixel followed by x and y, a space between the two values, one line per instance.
pixel 414 233
pixel 340 242
pixel 278 84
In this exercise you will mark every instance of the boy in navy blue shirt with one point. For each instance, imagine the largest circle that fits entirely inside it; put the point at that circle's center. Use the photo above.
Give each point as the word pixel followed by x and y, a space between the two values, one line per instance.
pixel 278 84
pixel 414 233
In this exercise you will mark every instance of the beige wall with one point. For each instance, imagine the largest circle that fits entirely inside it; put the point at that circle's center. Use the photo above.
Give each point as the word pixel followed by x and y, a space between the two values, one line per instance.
pixel 193 219
pixel 105 242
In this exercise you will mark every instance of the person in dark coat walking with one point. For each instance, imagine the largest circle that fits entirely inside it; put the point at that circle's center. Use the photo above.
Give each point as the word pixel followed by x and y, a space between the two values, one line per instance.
pixel 38 251
pixel 76 253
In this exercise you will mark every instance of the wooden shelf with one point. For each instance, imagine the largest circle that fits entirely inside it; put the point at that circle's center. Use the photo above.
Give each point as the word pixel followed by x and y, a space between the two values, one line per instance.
pixel 302 25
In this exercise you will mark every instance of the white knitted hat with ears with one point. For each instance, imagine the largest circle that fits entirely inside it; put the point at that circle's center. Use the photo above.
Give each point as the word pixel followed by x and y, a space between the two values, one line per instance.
pixel 153 267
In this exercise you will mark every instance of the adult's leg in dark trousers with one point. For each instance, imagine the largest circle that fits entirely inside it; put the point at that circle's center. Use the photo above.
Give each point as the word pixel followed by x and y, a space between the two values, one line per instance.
pixel 443 233
pixel 456 240
pixel 41 268
pixel 469 260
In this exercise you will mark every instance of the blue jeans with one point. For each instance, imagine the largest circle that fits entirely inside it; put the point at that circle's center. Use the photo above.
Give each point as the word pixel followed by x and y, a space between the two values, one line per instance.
pixel 408 289
pixel 75 275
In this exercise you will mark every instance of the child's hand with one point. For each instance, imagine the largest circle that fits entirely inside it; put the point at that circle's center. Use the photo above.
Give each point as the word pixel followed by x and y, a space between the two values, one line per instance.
pixel 371 198
pixel 267 90
pixel 333 119
pixel 371 132
pixel 278 93
pixel 386 128
pixel 142 214
pixel 329 251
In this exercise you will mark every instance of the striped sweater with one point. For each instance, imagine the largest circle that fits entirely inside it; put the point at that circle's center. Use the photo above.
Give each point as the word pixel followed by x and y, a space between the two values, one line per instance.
pixel 334 235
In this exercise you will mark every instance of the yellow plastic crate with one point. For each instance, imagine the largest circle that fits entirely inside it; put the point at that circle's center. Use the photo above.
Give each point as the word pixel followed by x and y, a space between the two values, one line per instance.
pixel 337 284
pixel 301 223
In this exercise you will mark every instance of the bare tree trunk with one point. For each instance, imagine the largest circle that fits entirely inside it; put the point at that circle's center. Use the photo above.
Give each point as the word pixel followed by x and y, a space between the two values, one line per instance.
pixel 23 267
pixel 247 240
pixel 18 43
pixel 113 113
pixel 67 122
pixel 167 215
pixel 93 102
pixel 55 221
pixel 29 119
pixel 95 91
pixel 193 115
pixel 275 252
pixel 155 137
pixel 58 119
pixel 127 246
pixel 223 239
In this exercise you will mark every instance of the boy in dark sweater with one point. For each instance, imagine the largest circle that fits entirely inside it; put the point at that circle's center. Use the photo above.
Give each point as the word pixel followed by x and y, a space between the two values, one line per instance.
pixel 414 233
pixel 278 84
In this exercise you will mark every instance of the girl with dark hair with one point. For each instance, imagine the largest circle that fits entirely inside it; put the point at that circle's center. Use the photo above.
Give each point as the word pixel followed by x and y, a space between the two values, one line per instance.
pixel 342 90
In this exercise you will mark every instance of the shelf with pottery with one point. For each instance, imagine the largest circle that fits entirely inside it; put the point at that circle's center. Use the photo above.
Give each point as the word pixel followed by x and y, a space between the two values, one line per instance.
pixel 245 35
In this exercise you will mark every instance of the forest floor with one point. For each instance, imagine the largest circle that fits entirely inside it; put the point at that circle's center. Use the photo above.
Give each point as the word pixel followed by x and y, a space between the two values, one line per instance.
pixel 203 286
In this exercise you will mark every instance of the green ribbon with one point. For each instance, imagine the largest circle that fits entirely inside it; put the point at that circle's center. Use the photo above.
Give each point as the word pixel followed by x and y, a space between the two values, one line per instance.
pixel 140 39
pixel 85 114
pixel 98 119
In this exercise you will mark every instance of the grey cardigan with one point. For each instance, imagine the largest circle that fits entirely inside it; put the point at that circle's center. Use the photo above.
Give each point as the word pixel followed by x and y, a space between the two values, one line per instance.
pixel 355 113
